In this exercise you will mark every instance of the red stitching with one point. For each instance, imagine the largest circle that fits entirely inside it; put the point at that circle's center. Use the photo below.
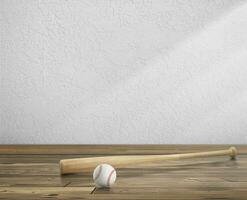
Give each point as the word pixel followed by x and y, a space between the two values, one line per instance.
pixel 109 177
pixel 100 169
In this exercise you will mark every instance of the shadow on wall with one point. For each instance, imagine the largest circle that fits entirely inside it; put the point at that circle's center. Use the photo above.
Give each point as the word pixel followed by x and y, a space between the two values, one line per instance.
pixel 194 93
pixel 126 36
pixel 154 72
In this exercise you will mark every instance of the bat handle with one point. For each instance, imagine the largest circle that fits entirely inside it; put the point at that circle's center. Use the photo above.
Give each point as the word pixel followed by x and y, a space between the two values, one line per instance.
pixel 232 152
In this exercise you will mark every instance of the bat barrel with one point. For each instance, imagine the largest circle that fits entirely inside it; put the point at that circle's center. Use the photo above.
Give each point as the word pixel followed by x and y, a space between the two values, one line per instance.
pixel 88 164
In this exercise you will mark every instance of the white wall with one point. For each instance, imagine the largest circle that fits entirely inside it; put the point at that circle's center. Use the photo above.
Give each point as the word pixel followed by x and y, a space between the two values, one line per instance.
pixel 123 71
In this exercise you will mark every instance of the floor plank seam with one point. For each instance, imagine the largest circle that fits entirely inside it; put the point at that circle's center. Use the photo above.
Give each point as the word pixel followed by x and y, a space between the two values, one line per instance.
pixel 67 184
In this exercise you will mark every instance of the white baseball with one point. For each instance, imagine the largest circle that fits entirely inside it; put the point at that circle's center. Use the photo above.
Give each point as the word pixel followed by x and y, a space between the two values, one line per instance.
pixel 104 175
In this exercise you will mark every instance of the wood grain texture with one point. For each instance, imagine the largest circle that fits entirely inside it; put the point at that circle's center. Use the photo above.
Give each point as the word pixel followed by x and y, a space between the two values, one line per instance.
pixel 27 174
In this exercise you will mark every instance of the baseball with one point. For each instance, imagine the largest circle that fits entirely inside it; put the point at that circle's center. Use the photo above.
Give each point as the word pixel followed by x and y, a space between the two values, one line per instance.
pixel 104 175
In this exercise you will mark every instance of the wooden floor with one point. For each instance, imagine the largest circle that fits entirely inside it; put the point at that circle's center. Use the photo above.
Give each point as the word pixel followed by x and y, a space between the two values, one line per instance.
pixel 32 172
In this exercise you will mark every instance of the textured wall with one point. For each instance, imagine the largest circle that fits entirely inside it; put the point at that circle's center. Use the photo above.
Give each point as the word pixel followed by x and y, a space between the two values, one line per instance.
pixel 123 71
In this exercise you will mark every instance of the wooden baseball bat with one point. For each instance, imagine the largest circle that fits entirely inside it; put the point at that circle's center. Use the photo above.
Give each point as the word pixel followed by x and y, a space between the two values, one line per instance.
pixel 75 165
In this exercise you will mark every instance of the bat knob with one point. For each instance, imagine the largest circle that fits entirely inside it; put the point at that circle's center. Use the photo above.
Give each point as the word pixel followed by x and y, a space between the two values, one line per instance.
pixel 61 167
pixel 233 153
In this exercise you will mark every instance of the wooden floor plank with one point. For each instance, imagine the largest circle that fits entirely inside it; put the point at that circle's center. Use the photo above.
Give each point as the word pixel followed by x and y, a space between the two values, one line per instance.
pixel 113 149
pixel 133 193
pixel 32 172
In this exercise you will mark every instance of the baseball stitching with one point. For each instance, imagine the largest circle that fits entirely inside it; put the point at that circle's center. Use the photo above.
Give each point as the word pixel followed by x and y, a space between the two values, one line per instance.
pixel 99 172
pixel 109 177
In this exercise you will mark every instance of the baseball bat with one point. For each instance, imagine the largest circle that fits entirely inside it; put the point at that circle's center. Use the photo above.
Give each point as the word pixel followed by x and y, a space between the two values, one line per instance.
pixel 68 166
